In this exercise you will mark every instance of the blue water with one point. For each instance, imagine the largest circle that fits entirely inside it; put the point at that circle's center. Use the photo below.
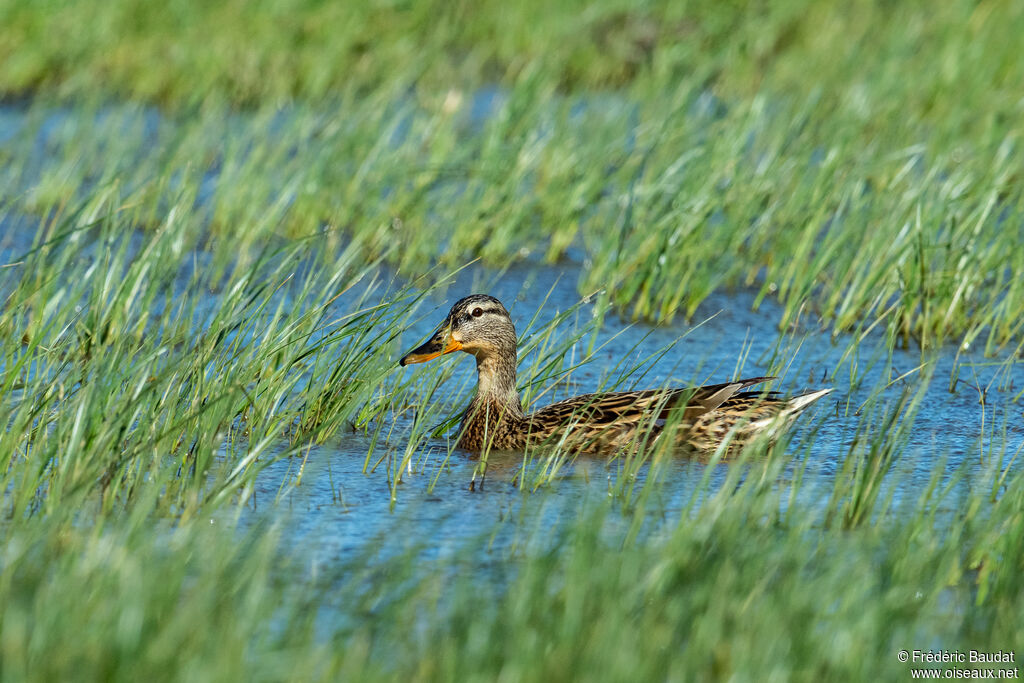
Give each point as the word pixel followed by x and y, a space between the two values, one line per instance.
pixel 338 508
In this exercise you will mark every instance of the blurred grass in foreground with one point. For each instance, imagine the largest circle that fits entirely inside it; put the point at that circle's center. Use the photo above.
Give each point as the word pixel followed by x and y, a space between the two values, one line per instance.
pixel 737 589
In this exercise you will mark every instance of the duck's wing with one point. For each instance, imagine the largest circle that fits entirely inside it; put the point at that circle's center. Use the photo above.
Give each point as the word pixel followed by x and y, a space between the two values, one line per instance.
pixel 629 407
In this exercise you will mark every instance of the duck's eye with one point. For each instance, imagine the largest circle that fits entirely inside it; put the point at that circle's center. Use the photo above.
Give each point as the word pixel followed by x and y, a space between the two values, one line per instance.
pixel 477 312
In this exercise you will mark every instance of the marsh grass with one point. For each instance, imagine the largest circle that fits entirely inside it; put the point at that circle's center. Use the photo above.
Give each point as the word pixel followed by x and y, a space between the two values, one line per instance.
pixel 127 367
pixel 149 380
pixel 666 200
pixel 142 406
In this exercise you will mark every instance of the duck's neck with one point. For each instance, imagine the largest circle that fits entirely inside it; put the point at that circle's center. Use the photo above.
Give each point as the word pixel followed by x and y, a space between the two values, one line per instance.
pixel 495 415
pixel 496 384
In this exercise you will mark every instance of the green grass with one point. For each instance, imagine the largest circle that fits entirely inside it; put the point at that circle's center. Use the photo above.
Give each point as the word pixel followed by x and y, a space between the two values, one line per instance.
pixel 235 211
pixel 858 195
pixel 737 588
pixel 145 396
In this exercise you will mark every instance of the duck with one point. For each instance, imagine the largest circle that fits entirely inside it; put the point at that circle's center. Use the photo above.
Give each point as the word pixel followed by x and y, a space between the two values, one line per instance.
pixel 703 416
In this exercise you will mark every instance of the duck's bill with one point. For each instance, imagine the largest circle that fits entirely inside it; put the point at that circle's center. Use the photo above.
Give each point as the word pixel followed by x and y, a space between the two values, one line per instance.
pixel 440 343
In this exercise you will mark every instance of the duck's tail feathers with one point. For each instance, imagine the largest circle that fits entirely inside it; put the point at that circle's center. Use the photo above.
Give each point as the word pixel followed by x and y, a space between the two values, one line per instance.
pixel 798 403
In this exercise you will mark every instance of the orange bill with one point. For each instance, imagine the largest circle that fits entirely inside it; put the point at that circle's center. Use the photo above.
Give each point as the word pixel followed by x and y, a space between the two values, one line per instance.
pixel 440 343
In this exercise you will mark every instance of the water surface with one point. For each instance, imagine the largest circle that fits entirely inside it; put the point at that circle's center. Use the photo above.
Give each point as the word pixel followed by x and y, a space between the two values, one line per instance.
pixel 338 507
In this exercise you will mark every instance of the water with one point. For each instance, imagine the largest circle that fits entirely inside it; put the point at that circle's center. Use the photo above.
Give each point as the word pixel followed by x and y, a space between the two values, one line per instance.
pixel 338 508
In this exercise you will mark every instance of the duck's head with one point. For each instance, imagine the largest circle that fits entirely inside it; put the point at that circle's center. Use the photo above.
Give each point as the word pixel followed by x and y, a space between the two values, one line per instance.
pixel 478 324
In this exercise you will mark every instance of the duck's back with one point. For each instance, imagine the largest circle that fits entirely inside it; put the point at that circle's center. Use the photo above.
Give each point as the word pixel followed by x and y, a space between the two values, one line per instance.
pixel 606 421
pixel 601 422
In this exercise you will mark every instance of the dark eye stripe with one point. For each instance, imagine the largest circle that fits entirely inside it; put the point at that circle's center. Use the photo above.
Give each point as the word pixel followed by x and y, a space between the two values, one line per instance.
pixel 483 311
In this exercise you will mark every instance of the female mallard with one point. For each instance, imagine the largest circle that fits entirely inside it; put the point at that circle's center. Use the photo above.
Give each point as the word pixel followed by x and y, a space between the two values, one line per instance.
pixel 480 325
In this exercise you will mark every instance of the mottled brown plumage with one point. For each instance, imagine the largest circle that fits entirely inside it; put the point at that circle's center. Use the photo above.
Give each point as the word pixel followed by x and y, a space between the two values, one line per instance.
pixel 702 417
